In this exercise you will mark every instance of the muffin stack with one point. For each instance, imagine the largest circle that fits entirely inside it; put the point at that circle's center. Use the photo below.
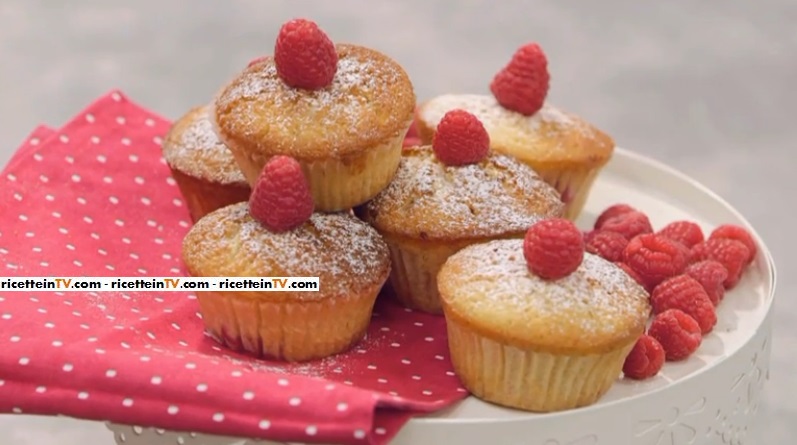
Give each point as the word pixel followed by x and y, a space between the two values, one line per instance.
pixel 314 130
pixel 297 170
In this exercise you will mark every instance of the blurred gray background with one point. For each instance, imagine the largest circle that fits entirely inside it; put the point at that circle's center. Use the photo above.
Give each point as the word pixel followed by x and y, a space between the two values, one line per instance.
pixel 706 86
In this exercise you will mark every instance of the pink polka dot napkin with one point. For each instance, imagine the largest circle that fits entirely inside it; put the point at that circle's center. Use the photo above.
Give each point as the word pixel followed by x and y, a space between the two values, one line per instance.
pixel 96 199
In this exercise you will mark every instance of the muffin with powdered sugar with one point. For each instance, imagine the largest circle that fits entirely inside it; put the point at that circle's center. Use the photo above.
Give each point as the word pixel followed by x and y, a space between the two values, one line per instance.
pixel 449 195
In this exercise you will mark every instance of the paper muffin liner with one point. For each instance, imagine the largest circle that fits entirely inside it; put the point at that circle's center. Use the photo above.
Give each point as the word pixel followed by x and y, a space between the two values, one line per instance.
pixel 414 269
pixel 340 183
pixel 572 183
pixel 295 330
pixel 414 275
pixel 529 380
pixel 202 197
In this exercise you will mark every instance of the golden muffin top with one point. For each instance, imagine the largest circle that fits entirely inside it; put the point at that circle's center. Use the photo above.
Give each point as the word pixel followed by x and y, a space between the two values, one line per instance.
pixel 370 99
pixel 192 147
pixel 428 199
pixel 489 288
pixel 547 136
pixel 345 253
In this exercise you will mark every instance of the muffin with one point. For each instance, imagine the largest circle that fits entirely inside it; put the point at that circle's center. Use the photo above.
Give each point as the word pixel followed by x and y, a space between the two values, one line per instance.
pixel 347 135
pixel 432 209
pixel 202 166
pixel 525 342
pixel 567 151
pixel 274 236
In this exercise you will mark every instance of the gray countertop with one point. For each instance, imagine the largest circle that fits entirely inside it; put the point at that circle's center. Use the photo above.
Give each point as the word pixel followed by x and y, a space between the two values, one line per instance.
pixel 707 86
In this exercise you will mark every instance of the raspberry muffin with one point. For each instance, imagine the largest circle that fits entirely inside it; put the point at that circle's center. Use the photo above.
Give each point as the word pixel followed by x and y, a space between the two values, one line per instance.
pixel 341 110
pixel 202 166
pixel 565 150
pixel 539 325
pixel 448 196
pixel 277 234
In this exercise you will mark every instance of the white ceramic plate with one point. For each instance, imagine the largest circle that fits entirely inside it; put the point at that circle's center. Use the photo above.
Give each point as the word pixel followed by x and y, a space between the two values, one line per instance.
pixel 711 398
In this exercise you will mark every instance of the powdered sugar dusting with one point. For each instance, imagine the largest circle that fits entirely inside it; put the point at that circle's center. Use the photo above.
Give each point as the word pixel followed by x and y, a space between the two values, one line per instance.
pixel 327 368
pixel 344 252
pixel 318 368
pixel 598 298
pixel 351 73
pixel 430 199
pixel 200 134
pixel 549 135
pixel 367 97
pixel 490 112
pixel 199 152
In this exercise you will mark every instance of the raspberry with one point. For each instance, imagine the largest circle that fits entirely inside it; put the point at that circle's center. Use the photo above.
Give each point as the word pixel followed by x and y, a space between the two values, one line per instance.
pixel 607 245
pixel 654 258
pixel 710 274
pixel 677 332
pixel 411 142
pixel 645 359
pixel 553 248
pixel 257 60
pixel 460 139
pixel 730 231
pixel 685 293
pixel 522 85
pixel 304 55
pixel 685 250
pixel 281 199
pixel 730 253
pixel 413 138
pixel 611 212
pixel 629 224
pixel 685 232
pixel 632 273
pixel 588 235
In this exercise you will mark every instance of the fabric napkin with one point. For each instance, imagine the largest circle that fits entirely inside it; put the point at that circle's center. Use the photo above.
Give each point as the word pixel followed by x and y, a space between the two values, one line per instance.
pixel 96 198
pixel 40 135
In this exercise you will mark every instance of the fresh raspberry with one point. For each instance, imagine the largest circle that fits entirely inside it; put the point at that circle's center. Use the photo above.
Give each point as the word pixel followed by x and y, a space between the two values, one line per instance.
pixel 710 274
pixel 654 258
pixel 413 137
pixel 281 199
pixel 304 55
pixel 685 232
pixel 629 224
pixel 611 212
pixel 460 139
pixel 632 273
pixel 738 233
pixel 411 142
pixel 685 293
pixel 730 253
pixel 607 245
pixel 645 359
pixel 257 60
pixel 678 333
pixel 553 248
pixel 588 235
pixel 522 85
pixel 685 250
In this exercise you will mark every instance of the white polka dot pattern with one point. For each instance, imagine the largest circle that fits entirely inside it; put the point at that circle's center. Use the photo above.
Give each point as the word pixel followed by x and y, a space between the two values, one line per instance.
pixel 95 199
